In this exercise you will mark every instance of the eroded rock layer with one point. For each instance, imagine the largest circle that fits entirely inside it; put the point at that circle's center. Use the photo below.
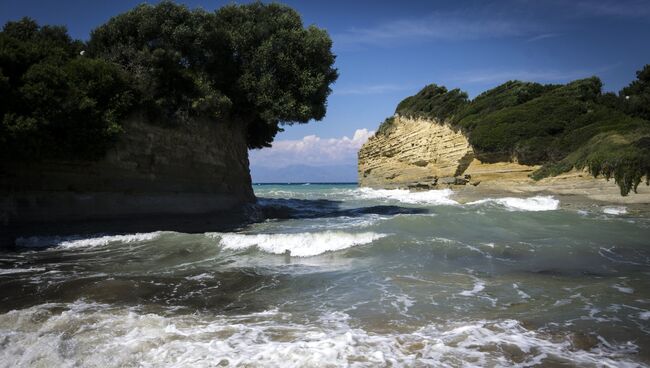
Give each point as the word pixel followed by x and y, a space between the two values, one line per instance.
pixel 415 150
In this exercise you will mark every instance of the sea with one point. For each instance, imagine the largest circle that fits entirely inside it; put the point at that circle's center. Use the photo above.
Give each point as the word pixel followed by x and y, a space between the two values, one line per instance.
pixel 334 275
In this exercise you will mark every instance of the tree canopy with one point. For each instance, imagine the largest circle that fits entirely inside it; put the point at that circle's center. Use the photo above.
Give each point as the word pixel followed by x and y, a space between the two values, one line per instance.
pixel 55 103
pixel 560 127
pixel 254 64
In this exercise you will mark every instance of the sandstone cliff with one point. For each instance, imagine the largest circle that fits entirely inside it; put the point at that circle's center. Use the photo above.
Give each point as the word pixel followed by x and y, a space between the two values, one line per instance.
pixel 152 173
pixel 426 154
pixel 414 150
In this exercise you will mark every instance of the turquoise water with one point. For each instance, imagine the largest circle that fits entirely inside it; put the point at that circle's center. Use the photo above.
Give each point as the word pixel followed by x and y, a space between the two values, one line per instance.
pixel 335 275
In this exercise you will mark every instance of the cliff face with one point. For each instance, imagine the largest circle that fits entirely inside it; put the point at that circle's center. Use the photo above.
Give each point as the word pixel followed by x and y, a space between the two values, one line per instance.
pixel 414 150
pixel 426 154
pixel 199 168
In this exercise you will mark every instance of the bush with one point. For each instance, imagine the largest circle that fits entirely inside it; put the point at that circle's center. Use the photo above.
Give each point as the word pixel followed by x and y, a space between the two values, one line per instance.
pixel 433 102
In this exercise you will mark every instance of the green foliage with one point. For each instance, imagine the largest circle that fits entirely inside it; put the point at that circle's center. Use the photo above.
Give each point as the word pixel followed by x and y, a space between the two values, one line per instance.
pixel 56 103
pixel 526 128
pixel 254 62
pixel 509 94
pixel 387 126
pixel 560 127
pixel 173 54
pixel 433 102
pixel 636 96
pixel 624 157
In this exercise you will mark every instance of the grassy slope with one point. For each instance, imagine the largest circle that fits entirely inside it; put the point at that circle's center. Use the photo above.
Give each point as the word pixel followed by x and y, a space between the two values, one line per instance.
pixel 558 126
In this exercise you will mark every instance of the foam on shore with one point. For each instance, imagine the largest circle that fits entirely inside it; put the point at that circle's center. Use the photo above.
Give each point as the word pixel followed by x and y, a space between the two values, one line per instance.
pixel 126 337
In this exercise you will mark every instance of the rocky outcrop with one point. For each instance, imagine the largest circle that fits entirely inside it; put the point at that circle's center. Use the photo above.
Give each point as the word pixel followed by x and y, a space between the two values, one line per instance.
pixel 152 173
pixel 422 154
pixel 414 151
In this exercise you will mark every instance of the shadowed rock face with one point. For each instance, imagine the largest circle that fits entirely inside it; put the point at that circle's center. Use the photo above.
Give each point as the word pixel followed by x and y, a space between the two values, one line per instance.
pixel 415 150
pixel 152 172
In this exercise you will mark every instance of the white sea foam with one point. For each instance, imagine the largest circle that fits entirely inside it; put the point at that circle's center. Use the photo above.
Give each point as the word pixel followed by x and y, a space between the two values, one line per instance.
pixel 200 277
pixel 434 197
pixel 11 271
pixel 521 293
pixel 78 241
pixel 298 244
pixel 623 289
pixel 537 203
pixel 90 335
pixel 615 210
pixel 479 286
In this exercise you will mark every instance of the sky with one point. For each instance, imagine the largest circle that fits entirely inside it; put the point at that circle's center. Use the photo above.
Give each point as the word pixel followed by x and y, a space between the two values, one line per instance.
pixel 388 50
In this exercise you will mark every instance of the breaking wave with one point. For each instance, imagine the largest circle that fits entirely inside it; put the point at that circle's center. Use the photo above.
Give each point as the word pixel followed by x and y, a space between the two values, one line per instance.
pixel 78 241
pixel 537 203
pixel 298 244
pixel 443 197
pixel 436 197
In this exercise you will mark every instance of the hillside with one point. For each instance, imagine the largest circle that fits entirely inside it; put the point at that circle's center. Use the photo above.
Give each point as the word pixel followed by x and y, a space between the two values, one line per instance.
pixel 556 127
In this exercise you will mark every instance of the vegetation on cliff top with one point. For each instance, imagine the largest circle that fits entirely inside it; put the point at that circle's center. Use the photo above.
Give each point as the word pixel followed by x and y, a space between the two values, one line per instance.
pixel 560 127
pixel 255 64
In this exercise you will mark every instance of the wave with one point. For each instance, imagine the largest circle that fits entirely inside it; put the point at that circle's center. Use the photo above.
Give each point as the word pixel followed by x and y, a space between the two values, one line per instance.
pixel 443 197
pixel 615 210
pixel 298 244
pixel 537 203
pixel 12 271
pixel 79 241
pixel 436 197
pixel 107 336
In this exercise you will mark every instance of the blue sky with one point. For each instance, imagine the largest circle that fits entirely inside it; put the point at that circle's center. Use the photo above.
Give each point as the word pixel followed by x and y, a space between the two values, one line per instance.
pixel 387 50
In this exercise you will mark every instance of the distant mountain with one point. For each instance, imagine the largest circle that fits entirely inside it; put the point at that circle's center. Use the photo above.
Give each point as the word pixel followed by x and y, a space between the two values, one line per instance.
pixel 305 174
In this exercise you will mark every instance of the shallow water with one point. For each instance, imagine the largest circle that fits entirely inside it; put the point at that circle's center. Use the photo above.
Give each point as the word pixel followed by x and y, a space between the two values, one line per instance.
pixel 341 276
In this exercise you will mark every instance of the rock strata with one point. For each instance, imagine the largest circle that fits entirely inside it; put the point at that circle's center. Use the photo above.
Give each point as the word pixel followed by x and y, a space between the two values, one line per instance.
pixel 404 156
pixel 422 154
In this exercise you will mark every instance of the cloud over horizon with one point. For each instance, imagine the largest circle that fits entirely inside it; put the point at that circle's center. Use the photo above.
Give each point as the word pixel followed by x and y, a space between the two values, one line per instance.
pixel 311 150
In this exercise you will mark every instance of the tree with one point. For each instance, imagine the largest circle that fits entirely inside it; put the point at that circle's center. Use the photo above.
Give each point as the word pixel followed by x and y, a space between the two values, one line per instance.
pixel 637 94
pixel 255 63
pixel 55 102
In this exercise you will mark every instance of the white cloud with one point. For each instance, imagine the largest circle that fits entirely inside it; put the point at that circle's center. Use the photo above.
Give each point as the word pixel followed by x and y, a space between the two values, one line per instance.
pixel 438 26
pixel 311 150
pixel 543 37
